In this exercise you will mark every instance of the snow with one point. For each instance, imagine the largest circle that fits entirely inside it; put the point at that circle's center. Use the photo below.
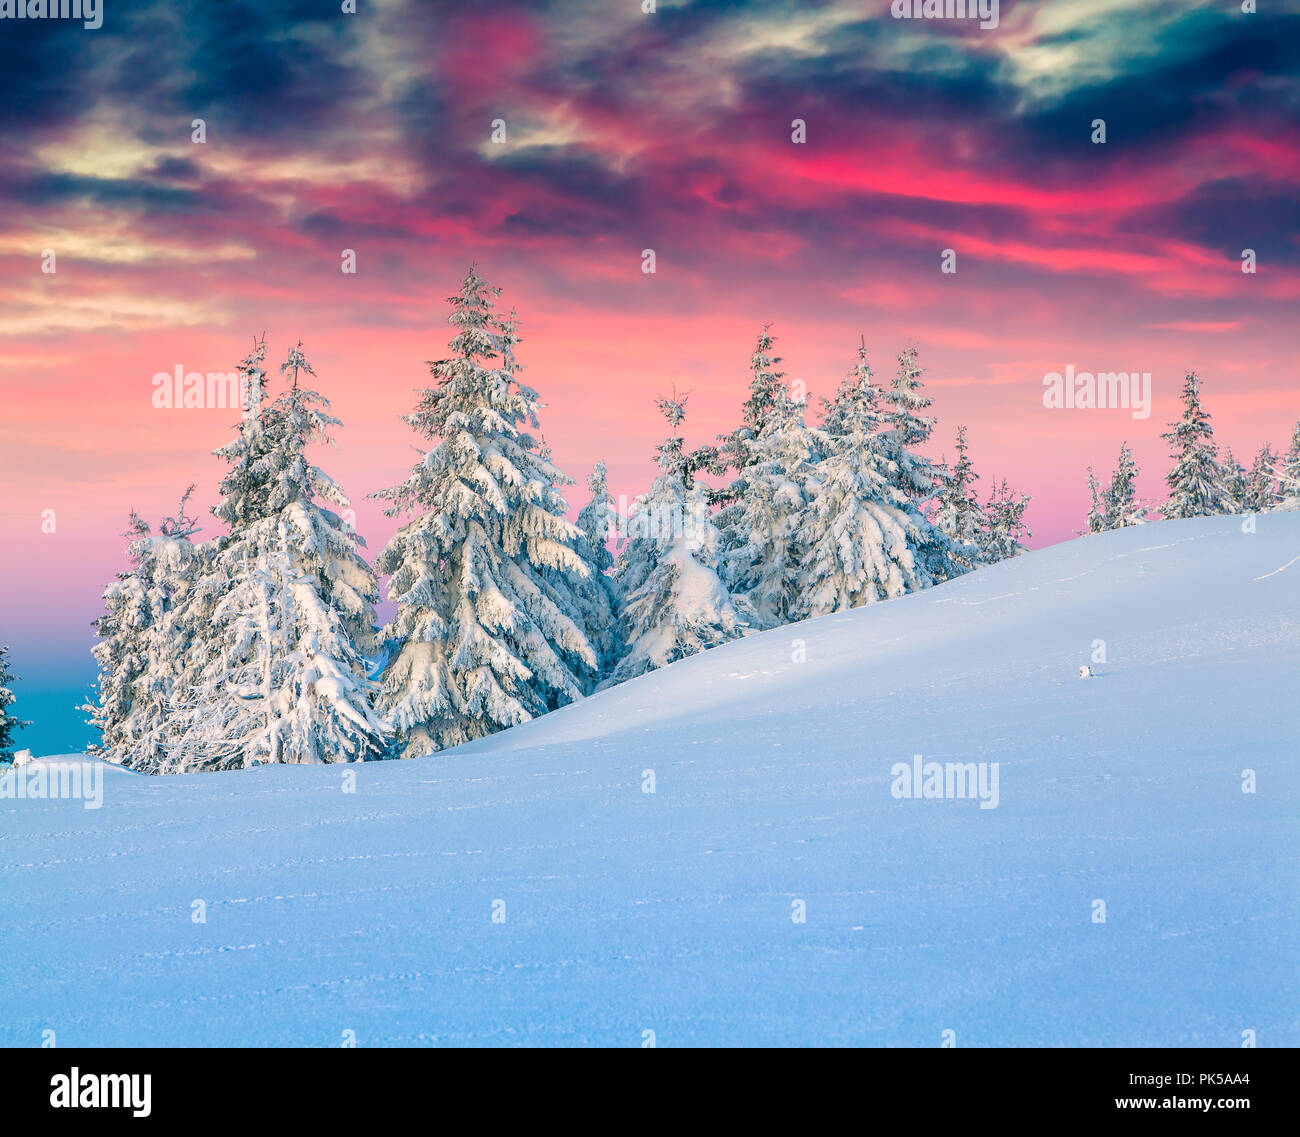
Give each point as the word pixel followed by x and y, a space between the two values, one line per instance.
pixel 671 912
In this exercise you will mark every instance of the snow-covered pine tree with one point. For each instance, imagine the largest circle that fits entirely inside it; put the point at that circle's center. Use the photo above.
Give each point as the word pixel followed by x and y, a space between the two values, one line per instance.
pixel 861 530
pixel 482 638
pixel 144 644
pixel 1123 508
pixel 958 512
pixel 675 604
pixel 908 429
pixel 1261 490
pixel 1236 483
pixel 937 556
pixel 1288 488
pixel 766 388
pixel 1097 510
pixel 291 603
pixel 120 651
pixel 1006 529
pixel 1196 480
pixel 597 596
pixel 764 564
pixel 253 454
pixel 8 723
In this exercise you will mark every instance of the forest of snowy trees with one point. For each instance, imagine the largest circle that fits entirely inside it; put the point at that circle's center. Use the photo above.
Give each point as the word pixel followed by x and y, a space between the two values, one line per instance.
pixel 1200 484
pixel 262 644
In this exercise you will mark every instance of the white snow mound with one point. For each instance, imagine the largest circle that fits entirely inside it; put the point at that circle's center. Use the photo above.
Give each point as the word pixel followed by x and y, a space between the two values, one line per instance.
pixel 525 889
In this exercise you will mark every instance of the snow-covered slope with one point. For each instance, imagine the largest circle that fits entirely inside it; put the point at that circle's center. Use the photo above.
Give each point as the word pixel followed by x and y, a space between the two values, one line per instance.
pixel 626 911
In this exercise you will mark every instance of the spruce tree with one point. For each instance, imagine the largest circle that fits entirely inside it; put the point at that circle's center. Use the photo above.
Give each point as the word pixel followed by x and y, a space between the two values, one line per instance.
pixel 937 556
pixel 145 644
pixel 766 387
pixel 290 601
pixel 1236 483
pixel 1006 530
pixel 675 604
pixel 8 723
pixel 908 429
pixel 764 565
pixel 958 513
pixel 1196 479
pixel 482 638
pixel 861 530
pixel 1289 475
pixel 120 651
pixel 1261 490
pixel 1097 510
pixel 766 390
pixel 597 596
pixel 1122 507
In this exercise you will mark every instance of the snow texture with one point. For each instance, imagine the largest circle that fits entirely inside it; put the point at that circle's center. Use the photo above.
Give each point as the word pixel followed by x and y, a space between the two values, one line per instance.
pixel 671 912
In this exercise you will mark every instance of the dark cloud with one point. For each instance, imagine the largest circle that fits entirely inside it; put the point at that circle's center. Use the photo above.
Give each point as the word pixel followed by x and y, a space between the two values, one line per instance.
pixel 299 77
pixel 1228 215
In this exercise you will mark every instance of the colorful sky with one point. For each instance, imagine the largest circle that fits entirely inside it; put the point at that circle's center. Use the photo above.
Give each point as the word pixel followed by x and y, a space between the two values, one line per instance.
pixel 625 131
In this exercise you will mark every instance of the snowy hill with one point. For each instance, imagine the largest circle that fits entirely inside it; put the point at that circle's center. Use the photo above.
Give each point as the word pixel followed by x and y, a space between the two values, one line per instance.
pixel 772 757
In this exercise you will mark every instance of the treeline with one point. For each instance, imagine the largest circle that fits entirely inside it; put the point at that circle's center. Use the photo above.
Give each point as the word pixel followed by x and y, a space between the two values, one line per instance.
pixel 262 645
pixel 1200 483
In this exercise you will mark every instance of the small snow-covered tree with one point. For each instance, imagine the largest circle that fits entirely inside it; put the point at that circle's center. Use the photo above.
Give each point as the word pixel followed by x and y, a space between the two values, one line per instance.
pixel 1236 483
pixel 763 565
pixel 937 556
pixel 145 644
pixel 908 429
pixel 1006 530
pixel 596 596
pixel 8 723
pixel 1262 490
pixel 252 456
pixel 290 601
pixel 1289 475
pixel 1196 479
pixel 120 651
pixel 675 604
pixel 766 387
pixel 958 512
pixel 1097 510
pixel 1122 506
pixel 482 638
pixel 861 529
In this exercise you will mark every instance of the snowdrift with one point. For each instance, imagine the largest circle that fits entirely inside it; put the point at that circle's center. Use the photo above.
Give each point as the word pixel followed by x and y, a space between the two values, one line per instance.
pixel 527 889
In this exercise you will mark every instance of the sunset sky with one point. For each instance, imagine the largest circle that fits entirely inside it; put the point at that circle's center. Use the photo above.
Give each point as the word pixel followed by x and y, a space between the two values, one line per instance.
pixel 625 131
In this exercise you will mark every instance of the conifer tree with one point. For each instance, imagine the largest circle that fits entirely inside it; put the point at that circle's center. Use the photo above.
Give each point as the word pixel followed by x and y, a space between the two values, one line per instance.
pixel 766 390
pixel 289 598
pixel 145 644
pixel 958 513
pixel 861 530
pixel 1289 475
pixel 1006 530
pixel 763 566
pixel 1261 490
pixel 1236 483
pixel 482 638
pixel 908 429
pixel 8 723
pixel 937 557
pixel 675 603
pixel 1122 507
pixel 596 596
pixel 120 651
pixel 766 387
pixel 1196 479
pixel 1097 510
